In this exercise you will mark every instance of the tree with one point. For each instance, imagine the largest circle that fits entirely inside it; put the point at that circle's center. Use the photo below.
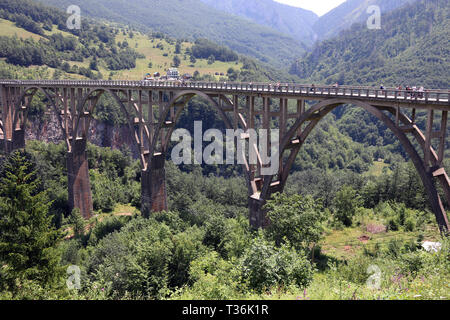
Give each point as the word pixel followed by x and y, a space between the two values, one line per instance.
pixel 77 221
pixel 178 47
pixel 264 265
pixel 176 61
pixel 93 65
pixel 27 238
pixel 294 218
pixel 345 203
pixel 211 59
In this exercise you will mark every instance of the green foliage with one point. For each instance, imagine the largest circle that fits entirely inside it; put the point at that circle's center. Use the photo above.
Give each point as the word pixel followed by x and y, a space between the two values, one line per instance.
pixel 27 238
pixel 238 34
pixel 346 202
pixel 213 278
pixel 406 51
pixel 92 41
pixel 135 260
pixel 187 247
pixel 78 223
pixel 205 49
pixel 264 266
pixel 399 217
pixel 176 61
pixel 105 227
pixel 294 219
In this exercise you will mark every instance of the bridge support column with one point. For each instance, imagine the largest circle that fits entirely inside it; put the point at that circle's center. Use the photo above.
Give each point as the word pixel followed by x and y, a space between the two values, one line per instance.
pixel 153 187
pixel 258 217
pixel 18 140
pixel 78 179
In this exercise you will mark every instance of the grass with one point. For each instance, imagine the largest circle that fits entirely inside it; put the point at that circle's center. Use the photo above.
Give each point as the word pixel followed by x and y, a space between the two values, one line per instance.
pixel 161 59
pixel 350 242
pixel 160 63
pixel 377 169
pixel 9 29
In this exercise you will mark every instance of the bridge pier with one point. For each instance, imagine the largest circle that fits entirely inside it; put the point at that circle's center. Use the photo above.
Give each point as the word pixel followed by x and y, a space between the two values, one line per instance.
pixel 18 140
pixel 258 216
pixel 153 186
pixel 78 179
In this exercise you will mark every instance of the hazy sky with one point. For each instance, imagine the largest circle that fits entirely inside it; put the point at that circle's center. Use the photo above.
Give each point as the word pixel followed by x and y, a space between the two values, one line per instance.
pixel 320 7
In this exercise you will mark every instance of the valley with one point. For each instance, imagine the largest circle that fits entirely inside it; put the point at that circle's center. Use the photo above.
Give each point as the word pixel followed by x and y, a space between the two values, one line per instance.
pixel 87 170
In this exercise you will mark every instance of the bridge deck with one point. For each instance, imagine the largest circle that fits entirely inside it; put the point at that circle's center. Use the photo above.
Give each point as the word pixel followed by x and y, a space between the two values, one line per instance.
pixel 439 99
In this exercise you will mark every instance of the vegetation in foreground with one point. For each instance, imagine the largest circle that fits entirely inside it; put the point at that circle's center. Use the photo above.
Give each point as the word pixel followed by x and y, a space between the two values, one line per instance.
pixel 203 247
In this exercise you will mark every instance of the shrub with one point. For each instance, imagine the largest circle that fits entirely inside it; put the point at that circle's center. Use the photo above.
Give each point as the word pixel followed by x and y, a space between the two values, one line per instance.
pixel 295 218
pixel 212 278
pixel 264 266
pixel 134 261
pixel 345 203
pixel 107 226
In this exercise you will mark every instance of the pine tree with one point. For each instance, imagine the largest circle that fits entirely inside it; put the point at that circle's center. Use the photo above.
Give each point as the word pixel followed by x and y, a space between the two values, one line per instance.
pixel 27 238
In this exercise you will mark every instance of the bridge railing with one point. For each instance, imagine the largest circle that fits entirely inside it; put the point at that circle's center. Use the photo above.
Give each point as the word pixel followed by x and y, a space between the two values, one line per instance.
pixel 273 88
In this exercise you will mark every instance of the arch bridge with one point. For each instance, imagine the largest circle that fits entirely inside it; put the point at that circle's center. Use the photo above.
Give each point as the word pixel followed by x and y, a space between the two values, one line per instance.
pixel 153 108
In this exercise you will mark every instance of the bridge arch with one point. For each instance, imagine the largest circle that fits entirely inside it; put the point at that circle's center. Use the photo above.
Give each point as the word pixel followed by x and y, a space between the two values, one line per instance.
pixel 22 102
pixel 84 95
pixel 323 108
pixel 181 99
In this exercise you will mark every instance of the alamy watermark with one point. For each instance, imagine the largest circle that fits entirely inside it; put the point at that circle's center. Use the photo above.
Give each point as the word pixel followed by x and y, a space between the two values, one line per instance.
pixel 374 280
pixel 374 21
pixel 74 20
pixel 230 149
pixel 74 277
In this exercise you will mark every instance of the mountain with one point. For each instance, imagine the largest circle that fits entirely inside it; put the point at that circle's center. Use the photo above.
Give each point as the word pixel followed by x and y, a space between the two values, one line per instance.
pixel 412 48
pixel 192 19
pixel 294 21
pixel 351 11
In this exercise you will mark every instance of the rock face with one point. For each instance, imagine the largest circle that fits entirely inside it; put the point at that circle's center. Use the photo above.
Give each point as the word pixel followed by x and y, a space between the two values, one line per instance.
pixel 101 134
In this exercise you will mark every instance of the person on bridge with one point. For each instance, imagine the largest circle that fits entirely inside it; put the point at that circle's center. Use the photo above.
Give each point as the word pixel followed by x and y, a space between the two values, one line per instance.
pixel 421 91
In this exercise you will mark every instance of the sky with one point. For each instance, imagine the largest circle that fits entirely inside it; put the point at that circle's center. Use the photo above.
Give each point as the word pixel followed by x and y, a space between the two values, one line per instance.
pixel 320 7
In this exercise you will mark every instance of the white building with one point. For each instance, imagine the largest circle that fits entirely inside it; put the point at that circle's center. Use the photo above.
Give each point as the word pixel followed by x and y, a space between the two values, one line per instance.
pixel 173 73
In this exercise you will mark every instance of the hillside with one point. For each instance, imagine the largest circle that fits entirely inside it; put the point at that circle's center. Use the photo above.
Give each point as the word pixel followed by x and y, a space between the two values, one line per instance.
pixel 294 21
pixel 412 48
pixel 34 42
pixel 192 19
pixel 350 12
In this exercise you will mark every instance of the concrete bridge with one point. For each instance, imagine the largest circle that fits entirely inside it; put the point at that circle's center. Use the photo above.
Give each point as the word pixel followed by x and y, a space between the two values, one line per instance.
pixel 153 108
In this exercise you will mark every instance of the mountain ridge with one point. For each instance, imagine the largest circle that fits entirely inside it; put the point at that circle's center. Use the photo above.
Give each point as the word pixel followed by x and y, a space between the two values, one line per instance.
pixel 411 48
pixel 176 18
pixel 294 21
pixel 350 12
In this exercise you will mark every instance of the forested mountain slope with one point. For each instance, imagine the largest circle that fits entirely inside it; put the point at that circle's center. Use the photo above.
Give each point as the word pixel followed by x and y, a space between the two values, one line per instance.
pixel 412 48
pixel 294 21
pixel 350 12
pixel 192 19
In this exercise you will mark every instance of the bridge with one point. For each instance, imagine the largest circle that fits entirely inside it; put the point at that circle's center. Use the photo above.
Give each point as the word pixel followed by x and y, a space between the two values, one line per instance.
pixel 153 108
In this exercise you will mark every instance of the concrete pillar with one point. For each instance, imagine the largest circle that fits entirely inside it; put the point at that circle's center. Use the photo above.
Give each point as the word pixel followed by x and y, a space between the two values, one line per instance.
pixel 153 187
pixel 18 140
pixel 78 179
pixel 258 217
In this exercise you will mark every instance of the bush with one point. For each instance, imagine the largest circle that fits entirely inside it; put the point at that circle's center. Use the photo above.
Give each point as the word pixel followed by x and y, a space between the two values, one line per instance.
pixel 107 226
pixel 213 278
pixel 345 203
pixel 265 266
pixel 295 218
pixel 134 261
